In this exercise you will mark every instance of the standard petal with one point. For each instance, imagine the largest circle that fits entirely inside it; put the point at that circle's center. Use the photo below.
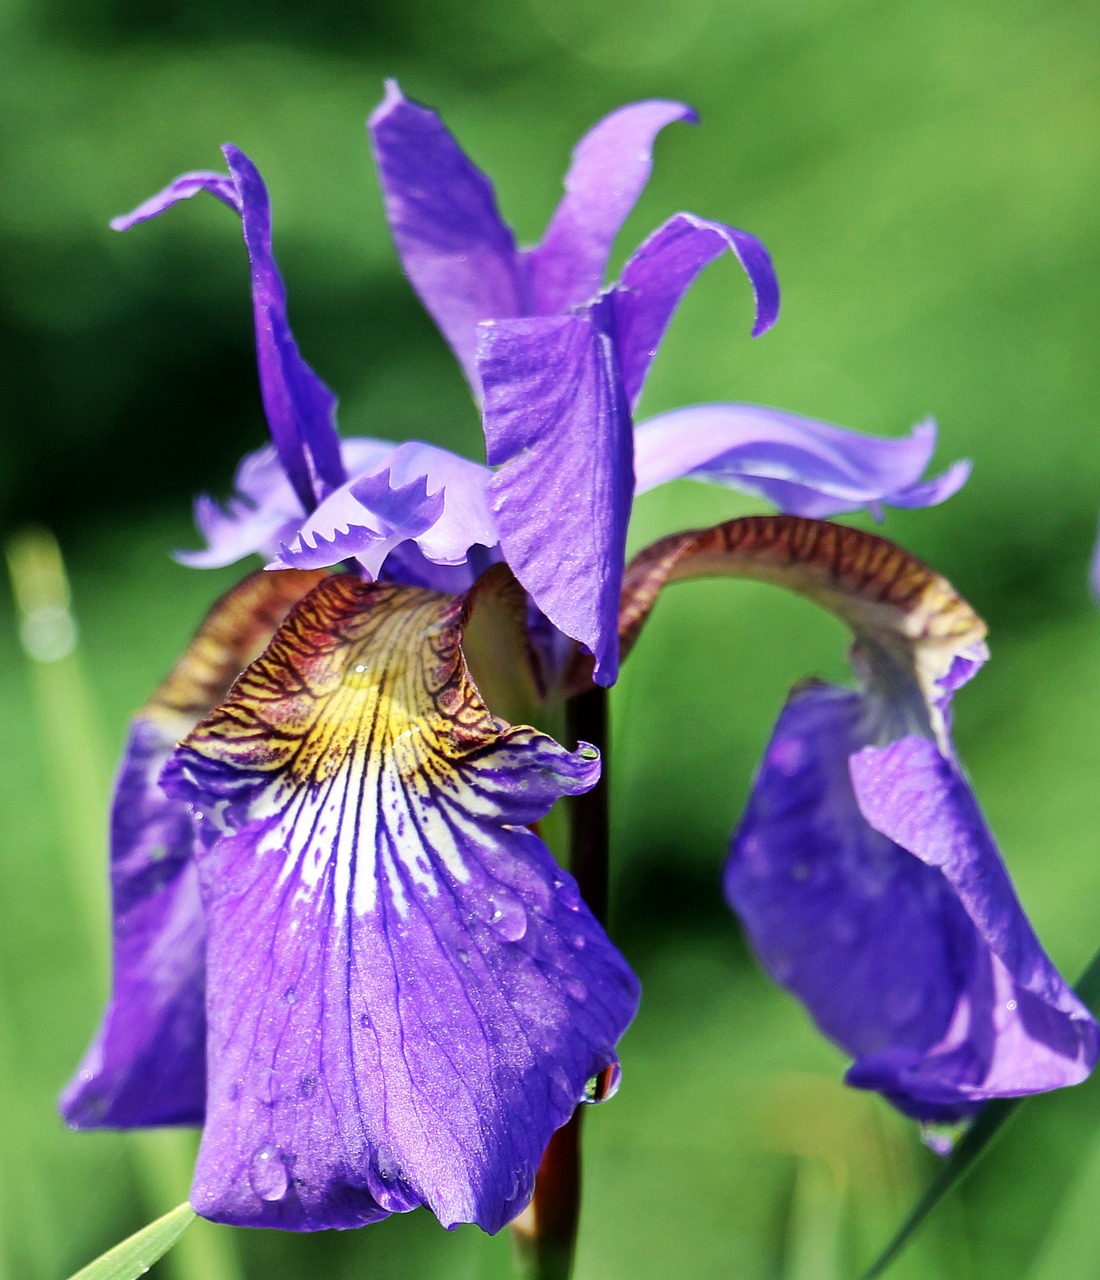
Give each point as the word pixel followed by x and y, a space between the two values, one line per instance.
pixel 558 427
pixel 452 241
pixel 301 410
pixel 662 270
pixel 872 942
pixel 1043 1037
pixel 611 166
pixel 415 493
pixel 146 1065
pixel 406 995
pixel 807 468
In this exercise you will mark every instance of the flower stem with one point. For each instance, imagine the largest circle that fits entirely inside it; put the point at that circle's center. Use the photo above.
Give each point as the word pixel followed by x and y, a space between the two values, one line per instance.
pixel 545 1234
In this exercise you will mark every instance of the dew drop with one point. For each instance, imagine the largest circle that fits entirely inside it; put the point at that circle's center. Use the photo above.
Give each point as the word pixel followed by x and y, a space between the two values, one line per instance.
pixel 290 996
pixel 388 1168
pixel 589 753
pixel 575 989
pixel 463 955
pixel 603 1085
pixel 267 1173
pixel 1011 1006
pixel 580 942
pixel 507 917
pixel 307 1086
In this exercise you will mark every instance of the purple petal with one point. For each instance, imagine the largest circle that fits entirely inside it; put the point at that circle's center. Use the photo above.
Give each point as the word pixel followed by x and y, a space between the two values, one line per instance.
pixel 407 996
pixel 454 246
pixel 558 427
pixel 807 468
pixel 300 408
pixel 146 1065
pixel 417 493
pixel 1095 572
pixel 184 187
pixel 661 271
pixel 611 166
pixel 884 949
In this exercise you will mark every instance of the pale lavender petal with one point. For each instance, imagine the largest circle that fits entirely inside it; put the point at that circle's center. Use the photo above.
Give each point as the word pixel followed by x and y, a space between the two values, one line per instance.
pixel 300 408
pixel 661 271
pixel 407 996
pixel 611 166
pixel 264 513
pixel 146 1065
pixel 184 187
pixel 558 427
pixel 807 468
pixel 431 497
pixel 454 246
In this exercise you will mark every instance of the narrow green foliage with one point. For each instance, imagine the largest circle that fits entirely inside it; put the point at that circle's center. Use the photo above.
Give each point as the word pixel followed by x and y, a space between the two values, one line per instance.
pixel 135 1255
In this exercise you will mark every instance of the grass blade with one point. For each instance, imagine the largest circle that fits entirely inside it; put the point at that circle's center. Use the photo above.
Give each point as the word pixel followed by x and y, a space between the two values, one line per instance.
pixel 136 1254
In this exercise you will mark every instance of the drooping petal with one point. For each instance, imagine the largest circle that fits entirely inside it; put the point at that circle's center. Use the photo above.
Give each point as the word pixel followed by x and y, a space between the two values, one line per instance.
pixel 661 271
pixel 1044 1036
pixel 868 938
pixel 807 468
pixel 942 1001
pixel 264 513
pixel 558 427
pixel 418 493
pixel 454 246
pixel 611 166
pixel 406 995
pixel 300 409
pixel 146 1065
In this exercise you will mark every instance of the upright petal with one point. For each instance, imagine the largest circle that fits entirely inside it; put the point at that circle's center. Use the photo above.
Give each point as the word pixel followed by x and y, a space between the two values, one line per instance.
pixel 558 426
pixel 146 1065
pixel 454 245
pixel 407 996
pixel 807 468
pixel 611 166
pixel 661 271
pixel 301 410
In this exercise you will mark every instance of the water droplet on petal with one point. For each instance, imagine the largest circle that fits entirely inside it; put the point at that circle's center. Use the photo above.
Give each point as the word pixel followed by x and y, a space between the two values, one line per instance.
pixel 267 1173
pixel 388 1168
pixel 603 1085
pixel 580 942
pixel 1011 1006
pixel 290 996
pixel 507 916
pixel 463 955
pixel 575 989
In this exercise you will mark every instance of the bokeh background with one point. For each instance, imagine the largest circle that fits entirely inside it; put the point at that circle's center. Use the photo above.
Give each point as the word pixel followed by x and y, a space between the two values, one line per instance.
pixel 926 176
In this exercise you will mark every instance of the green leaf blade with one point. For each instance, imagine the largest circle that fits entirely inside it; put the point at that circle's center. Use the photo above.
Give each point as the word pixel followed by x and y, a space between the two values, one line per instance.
pixel 135 1255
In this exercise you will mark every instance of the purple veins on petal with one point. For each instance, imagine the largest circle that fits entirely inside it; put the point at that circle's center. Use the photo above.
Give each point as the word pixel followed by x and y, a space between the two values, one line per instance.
pixel 558 428
pixel 146 1065
pixel 805 467
pixel 373 859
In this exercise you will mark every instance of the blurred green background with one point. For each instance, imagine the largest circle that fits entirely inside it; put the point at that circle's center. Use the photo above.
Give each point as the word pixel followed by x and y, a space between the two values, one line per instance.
pixel 926 176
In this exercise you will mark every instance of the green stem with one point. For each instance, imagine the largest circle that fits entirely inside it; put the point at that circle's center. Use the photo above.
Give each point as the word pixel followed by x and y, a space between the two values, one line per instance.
pixel 545 1234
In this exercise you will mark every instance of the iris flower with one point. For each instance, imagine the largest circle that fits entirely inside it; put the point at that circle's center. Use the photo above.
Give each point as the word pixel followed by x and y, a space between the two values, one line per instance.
pixel 863 869
pixel 340 944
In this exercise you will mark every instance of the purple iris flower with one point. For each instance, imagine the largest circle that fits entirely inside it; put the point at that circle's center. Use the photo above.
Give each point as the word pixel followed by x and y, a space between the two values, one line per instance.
pixel 560 361
pixel 863 869
pixel 340 944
